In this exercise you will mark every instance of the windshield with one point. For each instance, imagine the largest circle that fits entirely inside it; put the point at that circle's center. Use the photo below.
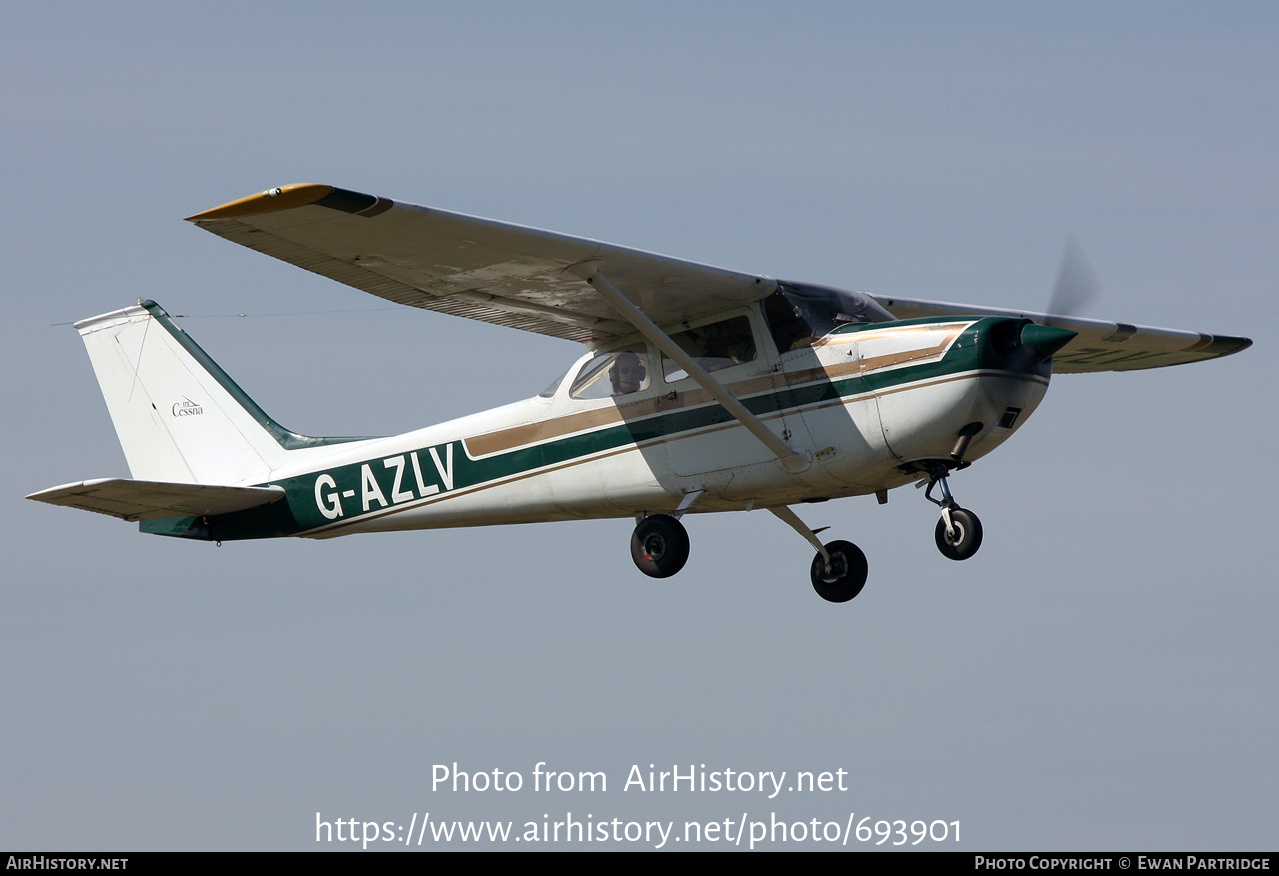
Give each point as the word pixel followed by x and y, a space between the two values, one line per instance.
pixel 825 308
pixel 549 392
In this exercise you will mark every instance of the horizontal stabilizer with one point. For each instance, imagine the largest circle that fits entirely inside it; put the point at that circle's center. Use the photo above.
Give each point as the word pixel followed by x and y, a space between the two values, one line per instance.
pixel 152 500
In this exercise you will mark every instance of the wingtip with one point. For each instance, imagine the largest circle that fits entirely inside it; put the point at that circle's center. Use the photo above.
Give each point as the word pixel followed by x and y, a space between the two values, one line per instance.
pixel 270 201
pixel 1224 345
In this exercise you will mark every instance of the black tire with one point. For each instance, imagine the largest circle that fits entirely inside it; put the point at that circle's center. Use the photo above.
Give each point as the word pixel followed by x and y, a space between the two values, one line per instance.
pixel 967 535
pixel 848 572
pixel 659 546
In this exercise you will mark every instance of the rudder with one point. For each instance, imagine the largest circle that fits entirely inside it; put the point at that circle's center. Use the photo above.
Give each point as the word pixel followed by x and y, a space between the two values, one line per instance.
pixel 179 417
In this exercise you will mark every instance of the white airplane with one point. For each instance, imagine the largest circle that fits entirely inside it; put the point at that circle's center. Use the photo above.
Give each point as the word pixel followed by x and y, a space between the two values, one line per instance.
pixel 701 390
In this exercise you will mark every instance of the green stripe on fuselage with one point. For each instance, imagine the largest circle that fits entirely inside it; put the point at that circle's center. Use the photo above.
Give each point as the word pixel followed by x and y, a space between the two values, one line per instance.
pixel 373 485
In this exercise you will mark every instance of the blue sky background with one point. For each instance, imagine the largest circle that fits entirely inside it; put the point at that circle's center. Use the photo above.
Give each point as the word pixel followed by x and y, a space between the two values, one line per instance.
pixel 1100 676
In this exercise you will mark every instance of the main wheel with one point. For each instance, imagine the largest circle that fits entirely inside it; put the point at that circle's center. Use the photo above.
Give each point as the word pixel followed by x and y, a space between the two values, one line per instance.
pixel 967 537
pixel 847 576
pixel 659 546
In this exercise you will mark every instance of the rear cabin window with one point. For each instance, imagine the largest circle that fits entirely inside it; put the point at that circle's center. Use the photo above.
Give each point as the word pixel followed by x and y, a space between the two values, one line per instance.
pixel 714 346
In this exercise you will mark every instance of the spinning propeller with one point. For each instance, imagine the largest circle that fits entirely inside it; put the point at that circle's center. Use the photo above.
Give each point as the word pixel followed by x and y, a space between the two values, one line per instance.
pixel 1076 283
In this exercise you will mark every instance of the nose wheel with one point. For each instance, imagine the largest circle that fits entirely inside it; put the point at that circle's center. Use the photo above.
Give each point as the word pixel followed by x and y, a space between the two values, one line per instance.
pixel 958 533
pixel 961 539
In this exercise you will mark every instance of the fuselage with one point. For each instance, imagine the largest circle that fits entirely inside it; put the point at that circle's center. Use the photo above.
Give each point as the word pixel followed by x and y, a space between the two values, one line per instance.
pixel 867 402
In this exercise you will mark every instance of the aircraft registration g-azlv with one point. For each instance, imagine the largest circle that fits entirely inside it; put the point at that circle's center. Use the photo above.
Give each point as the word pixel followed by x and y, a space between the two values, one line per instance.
pixel 701 389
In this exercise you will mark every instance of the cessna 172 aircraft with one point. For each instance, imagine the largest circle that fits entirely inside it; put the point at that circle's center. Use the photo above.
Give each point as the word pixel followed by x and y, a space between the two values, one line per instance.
pixel 701 389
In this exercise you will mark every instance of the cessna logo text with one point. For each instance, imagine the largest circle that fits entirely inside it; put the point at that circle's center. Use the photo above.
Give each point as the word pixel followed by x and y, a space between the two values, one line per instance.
pixel 187 408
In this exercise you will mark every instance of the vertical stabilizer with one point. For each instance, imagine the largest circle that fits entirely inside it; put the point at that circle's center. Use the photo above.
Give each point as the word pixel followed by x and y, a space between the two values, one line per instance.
pixel 179 417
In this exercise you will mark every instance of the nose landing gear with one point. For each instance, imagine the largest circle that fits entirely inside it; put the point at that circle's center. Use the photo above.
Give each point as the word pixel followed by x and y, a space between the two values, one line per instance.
pixel 962 538
pixel 958 533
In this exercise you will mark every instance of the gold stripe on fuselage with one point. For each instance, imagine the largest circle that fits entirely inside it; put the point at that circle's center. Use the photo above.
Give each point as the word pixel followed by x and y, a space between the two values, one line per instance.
pixel 697 432
pixel 502 440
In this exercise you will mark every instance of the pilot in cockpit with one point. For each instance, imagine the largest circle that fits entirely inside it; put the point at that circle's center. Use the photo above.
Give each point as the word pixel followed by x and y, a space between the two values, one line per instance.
pixel 627 373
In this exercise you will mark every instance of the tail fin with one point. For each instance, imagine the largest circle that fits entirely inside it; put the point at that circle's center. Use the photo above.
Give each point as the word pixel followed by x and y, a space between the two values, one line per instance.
pixel 179 417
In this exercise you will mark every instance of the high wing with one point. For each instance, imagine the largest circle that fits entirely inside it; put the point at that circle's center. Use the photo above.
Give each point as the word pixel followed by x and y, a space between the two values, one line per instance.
pixel 537 280
pixel 1099 345
pixel 477 268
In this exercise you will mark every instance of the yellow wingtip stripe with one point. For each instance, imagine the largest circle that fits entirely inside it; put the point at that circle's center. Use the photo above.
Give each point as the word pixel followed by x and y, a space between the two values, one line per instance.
pixel 270 201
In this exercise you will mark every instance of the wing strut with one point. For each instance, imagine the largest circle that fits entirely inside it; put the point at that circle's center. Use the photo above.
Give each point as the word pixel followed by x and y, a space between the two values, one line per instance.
pixel 793 461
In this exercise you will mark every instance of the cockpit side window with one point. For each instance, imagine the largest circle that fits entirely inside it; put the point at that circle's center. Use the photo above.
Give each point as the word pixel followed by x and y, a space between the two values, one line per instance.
pixel 615 373
pixel 713 346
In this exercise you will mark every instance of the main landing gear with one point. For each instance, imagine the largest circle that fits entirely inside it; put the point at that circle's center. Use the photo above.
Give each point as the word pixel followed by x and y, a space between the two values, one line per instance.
pixel 841 574
pixel 839 570
pixel 659 546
